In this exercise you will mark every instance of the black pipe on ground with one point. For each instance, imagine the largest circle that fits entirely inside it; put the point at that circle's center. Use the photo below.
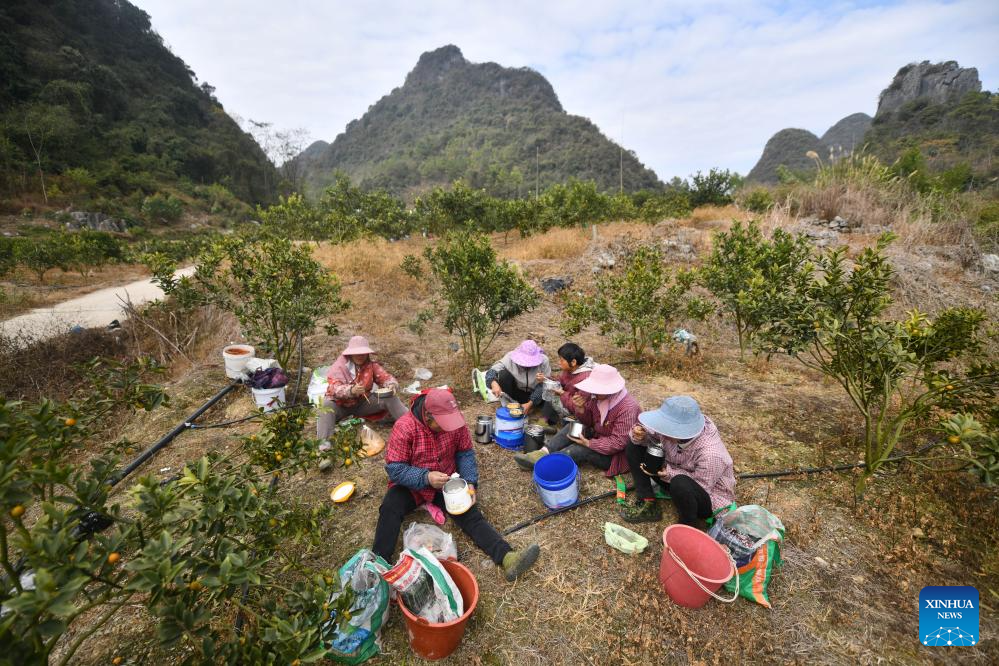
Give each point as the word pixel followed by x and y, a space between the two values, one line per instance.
pixel 167 438
pixel 749 475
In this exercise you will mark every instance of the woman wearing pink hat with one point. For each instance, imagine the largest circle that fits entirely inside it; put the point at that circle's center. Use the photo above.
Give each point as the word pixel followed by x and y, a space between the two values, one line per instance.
pixel 607 412
pixel 520 374
pixel 351 380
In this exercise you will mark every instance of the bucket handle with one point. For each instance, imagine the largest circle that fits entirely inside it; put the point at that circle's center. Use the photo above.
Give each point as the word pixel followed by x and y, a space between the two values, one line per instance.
pixel 694 577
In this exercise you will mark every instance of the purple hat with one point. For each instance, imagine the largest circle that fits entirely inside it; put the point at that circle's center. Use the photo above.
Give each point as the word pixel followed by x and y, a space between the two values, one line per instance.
pixel 527 354
pixel 603 380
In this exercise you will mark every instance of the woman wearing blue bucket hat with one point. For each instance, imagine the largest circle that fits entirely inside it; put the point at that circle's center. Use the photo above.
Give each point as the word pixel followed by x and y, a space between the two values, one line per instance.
pixel 676 445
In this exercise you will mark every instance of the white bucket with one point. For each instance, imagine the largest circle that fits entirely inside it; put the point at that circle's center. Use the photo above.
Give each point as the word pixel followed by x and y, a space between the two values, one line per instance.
pixel 457 495
pixel 269 399
pixel 318 385
pixel 235 363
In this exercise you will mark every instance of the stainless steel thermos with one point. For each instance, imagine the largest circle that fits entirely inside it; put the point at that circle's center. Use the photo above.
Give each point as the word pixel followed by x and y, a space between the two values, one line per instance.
pixel 483 429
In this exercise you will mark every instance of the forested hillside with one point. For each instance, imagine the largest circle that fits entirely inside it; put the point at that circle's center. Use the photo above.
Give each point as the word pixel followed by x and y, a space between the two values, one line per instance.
pixel 494 127
pixel 92 98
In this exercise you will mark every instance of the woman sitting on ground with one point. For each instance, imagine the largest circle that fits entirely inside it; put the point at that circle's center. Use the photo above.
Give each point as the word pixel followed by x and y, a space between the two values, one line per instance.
pixel 576 366
pixel 428 444
pixel 351 381
pixel 607 411
pixel 677 446
pixel 520 374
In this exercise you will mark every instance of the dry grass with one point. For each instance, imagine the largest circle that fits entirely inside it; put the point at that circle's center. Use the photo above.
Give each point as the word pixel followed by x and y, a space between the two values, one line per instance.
pixel 32 370
pixel 910 216
pixel 703 215
pixel 370 260
pixel 553 244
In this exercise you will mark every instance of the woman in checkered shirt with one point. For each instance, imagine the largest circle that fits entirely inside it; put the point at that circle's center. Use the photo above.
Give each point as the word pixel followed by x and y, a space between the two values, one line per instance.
pixel 676 446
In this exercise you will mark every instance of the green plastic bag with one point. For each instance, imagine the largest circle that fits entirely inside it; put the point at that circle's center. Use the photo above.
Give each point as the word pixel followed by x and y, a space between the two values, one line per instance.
pixel 753 578
pixel 623 539
pixel 358 639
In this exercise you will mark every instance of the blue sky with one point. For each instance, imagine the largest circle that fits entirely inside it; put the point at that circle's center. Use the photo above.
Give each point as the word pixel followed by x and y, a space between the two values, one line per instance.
pixel 686 85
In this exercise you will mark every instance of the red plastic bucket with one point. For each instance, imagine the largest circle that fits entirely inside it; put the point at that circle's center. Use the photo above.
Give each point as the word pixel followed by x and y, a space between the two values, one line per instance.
pixel 693 566
pixel 436 641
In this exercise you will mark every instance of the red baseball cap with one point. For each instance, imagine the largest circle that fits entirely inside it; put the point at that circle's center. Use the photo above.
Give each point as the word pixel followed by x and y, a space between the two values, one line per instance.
pixel 444 408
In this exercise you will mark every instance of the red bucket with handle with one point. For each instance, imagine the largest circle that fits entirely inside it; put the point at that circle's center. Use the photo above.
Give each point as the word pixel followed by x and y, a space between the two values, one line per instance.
pixel 433 640
pixel 694 566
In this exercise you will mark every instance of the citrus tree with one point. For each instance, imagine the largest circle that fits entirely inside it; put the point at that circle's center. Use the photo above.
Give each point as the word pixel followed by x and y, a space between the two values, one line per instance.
pixel 903 376
pixel 477 292
pixel 636 305
pixel 217 543
pixel 748 274
pixel 275 288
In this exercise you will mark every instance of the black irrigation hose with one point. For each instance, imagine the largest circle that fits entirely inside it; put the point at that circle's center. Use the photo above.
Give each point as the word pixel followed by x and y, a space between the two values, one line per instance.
pixel 829 468
pixel 760 475
pixel 118 476
pixel 555 512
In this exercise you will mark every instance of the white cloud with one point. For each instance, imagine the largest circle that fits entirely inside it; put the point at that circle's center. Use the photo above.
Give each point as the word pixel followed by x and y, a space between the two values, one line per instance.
pixel 687 85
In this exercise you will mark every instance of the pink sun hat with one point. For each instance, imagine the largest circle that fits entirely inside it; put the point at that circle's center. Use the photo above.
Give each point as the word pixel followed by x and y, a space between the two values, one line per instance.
pixel 603 380
pixel 357 345
pixel 527 354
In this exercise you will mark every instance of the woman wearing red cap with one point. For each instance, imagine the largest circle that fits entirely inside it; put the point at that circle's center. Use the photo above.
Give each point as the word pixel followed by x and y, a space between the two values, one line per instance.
pixel 427 445
pixel 351 380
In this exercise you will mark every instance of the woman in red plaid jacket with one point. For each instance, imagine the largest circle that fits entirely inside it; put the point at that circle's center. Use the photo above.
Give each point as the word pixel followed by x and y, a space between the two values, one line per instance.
pixel 427 445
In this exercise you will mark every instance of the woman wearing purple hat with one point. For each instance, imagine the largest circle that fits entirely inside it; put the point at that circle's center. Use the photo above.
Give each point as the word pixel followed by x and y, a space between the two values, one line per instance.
pixel 606 410
pixel 520 374
pixel 679 447
pixel 351 380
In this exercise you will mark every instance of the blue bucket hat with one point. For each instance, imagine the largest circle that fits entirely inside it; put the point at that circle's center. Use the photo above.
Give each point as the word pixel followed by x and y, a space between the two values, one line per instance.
pixel 679 417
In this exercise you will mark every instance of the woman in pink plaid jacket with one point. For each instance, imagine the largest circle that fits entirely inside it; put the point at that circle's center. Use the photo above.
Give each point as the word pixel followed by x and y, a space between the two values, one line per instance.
pixel 680 448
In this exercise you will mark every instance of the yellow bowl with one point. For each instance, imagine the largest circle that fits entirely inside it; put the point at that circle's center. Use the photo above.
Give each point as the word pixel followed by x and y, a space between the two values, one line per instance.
pixel 342 492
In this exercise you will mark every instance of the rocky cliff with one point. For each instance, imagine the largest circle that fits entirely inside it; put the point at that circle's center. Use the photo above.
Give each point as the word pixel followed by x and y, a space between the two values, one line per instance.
pixel 938 83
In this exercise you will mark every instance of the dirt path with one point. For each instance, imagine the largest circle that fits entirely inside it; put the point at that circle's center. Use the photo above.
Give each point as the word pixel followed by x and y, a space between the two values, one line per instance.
pixel 98 308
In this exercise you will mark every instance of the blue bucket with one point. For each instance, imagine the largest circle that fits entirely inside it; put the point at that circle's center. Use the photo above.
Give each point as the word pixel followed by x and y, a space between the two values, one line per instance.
pixel 555 477
pixel 508 431
pixel 509 439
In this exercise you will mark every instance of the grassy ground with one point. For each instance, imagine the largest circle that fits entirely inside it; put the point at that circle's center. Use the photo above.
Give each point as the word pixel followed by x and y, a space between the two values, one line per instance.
pixel 853 569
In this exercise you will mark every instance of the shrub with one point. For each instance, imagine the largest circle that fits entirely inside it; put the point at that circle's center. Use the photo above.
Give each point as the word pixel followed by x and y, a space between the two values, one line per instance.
pixel 636 305
pixel 749 274
pixel 987 223
pixel 39 255
pixel 194 551
pixel 670 204
pixel 477 293
pixel 896 373
pixel 275 288
pixel 162 208
pixel 757 200
pixel 715 188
